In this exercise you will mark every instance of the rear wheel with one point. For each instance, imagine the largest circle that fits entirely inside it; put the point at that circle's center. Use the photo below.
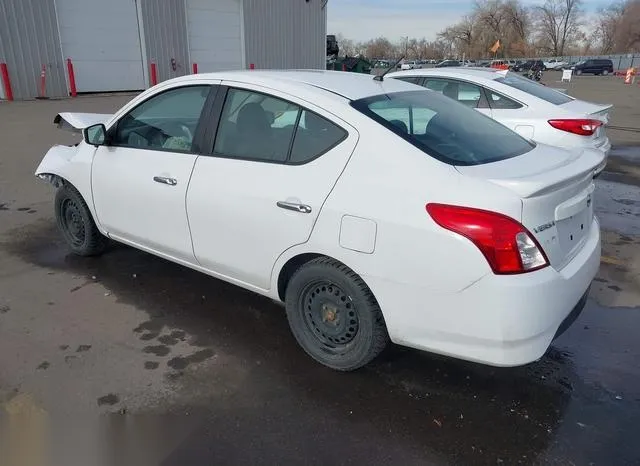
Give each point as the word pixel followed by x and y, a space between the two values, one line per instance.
pixel 76 223
pixel 334 316
pixel 605 72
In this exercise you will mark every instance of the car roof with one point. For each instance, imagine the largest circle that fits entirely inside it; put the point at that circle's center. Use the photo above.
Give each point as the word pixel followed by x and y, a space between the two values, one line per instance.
pixel 352 86
pixel 479 72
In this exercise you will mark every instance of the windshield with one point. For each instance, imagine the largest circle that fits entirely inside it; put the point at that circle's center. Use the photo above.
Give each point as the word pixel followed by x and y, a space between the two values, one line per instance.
pixel 445 129
pixel 536 89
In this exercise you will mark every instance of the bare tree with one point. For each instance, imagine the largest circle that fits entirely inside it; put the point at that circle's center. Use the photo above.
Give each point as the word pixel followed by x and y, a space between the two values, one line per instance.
pixel 347 46
pixel 558 24
pixel 627 37
pixel 608 21
pixel 459 36
pixel 380 48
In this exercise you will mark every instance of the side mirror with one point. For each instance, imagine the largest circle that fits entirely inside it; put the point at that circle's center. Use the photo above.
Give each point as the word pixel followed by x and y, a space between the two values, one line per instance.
pixel 95 135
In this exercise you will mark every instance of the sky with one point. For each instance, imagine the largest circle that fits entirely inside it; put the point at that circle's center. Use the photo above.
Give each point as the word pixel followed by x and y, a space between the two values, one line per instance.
pixel 362 20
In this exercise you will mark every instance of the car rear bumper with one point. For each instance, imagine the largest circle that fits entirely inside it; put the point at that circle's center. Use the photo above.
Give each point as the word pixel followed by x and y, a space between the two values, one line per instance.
pixel 498 320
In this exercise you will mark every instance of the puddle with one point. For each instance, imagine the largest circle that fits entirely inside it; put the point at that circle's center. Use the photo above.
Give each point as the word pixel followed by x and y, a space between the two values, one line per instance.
pixel 617 206
pixel 630 153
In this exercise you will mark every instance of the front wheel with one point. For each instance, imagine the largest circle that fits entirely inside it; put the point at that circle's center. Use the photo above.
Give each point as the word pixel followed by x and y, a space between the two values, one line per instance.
pixel 76 223
pixel 334 316
pixel 578 72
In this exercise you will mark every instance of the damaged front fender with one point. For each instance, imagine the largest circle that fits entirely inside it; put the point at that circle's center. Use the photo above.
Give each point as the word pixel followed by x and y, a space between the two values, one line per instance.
pixel 72 165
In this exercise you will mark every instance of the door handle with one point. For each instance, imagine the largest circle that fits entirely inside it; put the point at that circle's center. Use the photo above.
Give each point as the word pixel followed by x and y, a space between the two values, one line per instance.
pixel 165 180
pixel 302 208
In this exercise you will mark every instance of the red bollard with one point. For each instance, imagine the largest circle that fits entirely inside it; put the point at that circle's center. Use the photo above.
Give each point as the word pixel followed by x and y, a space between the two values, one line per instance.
pixel 72 78
pixel 344 67
pixel 43 83
pixel 154 74
pixel 195 68
pixel 252 66
pixel 6 82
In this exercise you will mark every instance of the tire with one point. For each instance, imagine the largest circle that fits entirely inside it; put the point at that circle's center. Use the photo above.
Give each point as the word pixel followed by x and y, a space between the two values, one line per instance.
pixel 578 72
pixel 605 72
pixel 334 316
pixel 76 224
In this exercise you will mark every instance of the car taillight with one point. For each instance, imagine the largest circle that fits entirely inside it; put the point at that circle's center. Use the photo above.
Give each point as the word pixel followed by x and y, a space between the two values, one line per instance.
pixel 582 127
pixel 506 244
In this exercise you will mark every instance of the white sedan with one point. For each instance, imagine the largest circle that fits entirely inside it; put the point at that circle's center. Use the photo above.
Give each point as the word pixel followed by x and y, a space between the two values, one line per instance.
pixel 535 111
pixel 373 209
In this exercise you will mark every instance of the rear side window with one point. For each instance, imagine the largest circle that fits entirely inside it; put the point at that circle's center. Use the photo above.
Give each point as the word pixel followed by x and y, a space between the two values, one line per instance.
pixel 500 102
pixel 538 90
pixel 445 130
pixel 252 127
pixel 315 136
pixel 260 127
pixel 411 79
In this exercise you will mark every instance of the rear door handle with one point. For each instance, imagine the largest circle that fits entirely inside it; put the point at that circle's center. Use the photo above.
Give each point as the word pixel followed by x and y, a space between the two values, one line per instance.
pixel 165 180
pixel 302 208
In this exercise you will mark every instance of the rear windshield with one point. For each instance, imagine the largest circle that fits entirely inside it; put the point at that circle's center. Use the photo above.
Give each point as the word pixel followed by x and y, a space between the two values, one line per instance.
pixel 445 129
pixel 531 87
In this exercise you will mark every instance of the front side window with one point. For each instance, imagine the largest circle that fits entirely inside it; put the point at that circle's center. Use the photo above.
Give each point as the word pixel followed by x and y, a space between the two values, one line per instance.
pixel 166 121
pixel 444 130
pixel 256 126
pixel 536 89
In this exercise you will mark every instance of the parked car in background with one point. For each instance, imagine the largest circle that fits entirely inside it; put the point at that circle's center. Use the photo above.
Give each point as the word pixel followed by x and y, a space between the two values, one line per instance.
pixel 411 65
pixel 535 111
pixel 527 65
pixel 554 64
pixel 448 63
pixel 499 64
pixel 593 66
pixel 383 212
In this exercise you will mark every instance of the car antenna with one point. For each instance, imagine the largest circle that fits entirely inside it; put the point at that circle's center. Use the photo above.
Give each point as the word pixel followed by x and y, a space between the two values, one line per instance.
pixel 392 67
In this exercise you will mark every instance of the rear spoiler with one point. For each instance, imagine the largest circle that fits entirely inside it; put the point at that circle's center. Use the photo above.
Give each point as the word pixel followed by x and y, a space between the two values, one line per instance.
pixel 76 122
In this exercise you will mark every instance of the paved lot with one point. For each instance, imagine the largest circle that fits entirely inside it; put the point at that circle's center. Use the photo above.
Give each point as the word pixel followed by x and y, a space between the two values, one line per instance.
pixel 195 371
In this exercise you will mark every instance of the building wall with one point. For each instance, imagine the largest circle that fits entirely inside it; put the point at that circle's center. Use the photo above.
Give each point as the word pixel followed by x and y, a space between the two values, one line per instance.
pixel 215 34
pixel 165 36
pixel 29 39
pixel 285 33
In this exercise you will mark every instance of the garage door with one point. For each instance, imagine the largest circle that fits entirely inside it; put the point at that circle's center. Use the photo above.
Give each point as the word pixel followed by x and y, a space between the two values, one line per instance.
pixel 215 39
pixel 102 38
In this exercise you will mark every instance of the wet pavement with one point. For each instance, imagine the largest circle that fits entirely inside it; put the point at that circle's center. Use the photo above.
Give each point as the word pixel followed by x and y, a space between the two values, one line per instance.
pixel 212 374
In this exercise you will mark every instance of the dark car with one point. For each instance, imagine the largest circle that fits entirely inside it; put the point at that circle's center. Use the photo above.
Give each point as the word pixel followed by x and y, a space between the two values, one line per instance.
pixel 526 66
pixel 445 63
pixel 593 66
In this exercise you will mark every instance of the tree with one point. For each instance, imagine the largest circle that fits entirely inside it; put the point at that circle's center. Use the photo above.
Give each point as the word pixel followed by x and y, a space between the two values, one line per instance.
pixel 380 48
pixel 609 19
pixel 347 46
pixel 627 38
pixel 459 36
pixel 558 24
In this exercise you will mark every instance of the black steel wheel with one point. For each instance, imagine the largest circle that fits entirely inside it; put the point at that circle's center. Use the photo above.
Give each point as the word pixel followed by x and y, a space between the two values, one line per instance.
pixel 329 314
pixel 334 316
pixel 76 223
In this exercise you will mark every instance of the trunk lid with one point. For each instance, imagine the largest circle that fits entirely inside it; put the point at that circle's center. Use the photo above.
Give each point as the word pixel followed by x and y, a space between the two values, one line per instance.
pixel 555 187
pixel 588 109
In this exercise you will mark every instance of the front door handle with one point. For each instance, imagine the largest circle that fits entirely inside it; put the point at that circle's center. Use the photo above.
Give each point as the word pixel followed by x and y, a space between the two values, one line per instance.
pixel 302 208
pixel 165 180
